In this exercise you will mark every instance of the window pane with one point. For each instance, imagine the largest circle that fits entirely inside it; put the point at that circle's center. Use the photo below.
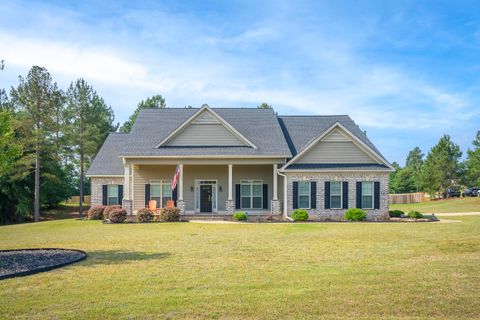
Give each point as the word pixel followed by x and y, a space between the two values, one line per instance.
pixel 303 187
pixel 246 202
pixel 112 201
pixel 367 202
pixel 246 190
pixel 335 202
pixel 257 190
pixel 166 189
pixel 257 202
pixel 304 202
pixel 154 190
pixel 335 188
pixel 156 199
pixel 367 188
pixel 113 190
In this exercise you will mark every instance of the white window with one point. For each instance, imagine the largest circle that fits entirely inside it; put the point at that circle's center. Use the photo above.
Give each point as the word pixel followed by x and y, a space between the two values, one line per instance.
pixel 367 195
pixel 304 194
pixel 161 191
pixel 335 195
pixel 112 191
pixel 251 194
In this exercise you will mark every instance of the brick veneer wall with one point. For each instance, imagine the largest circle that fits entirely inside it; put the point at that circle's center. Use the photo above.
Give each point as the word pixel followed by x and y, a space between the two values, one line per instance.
pixel 322 214
pixel 96 188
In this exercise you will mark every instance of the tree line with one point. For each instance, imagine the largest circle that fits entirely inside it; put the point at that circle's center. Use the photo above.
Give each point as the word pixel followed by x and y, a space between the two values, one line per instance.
pixel 48 138
pixel 441 169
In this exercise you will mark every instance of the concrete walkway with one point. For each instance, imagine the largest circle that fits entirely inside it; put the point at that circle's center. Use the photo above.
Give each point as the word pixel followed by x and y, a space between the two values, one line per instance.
pixel 457 214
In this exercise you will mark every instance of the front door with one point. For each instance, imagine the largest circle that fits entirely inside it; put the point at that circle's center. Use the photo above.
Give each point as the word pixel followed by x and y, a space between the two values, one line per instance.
pixel 205 198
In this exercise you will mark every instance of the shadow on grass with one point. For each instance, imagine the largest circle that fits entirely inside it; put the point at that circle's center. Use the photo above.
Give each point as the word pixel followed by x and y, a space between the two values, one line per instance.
pixel 117 257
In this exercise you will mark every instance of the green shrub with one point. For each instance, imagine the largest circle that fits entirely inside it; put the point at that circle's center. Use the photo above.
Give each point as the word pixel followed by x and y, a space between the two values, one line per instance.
pixel 300 215
pixel 95 213
pixel 396 213
pixel 415 214
pixel 240 216
pixel 169 214
pixel 355 214
pixel 108 209
pixel 117 215
pixel 144 215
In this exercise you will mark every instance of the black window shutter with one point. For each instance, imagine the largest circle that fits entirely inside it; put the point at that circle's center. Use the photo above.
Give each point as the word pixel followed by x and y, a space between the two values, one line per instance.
pixel 237 196
pixel 313 195
pixel 120 194
pixel 295 195
pixel 376 195
pixel 174 196
pixel 327 194
pixel 104 194
pixel 359 194
pixel 147 194
pixel 265 196
pixel 345 194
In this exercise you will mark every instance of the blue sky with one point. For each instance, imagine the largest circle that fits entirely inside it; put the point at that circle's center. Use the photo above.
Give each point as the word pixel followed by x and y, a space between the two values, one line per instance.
pixel 406 71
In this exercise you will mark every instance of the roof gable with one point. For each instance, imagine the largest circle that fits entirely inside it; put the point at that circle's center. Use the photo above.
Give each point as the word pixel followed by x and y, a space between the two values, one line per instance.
pixel 337 145
pixel 205 129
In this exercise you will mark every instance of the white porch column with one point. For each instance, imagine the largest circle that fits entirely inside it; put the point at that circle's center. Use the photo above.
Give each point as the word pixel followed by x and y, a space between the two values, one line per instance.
pixel 230 181
pixel 275 182
pixel 180 183
pixel 126 182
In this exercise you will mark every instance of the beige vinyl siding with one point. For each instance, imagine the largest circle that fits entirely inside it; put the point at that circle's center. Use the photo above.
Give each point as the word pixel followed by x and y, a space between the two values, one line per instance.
pixel 205 135
pixel 205 117
pixel 335 136
pixel 143 175
pixel 335 152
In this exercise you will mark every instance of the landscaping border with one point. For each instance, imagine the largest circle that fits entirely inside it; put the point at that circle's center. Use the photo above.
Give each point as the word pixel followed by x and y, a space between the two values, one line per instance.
pixel 43 269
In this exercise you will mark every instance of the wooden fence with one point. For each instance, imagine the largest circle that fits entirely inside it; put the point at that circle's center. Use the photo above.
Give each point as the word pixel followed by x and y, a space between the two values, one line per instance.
pixel 407 198
pixel 76 199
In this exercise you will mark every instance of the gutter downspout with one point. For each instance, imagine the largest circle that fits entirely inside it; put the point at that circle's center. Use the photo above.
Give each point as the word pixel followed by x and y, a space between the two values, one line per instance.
pixel 285 196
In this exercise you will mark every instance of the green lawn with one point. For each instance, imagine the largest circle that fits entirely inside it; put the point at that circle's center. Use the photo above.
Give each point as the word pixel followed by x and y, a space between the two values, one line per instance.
pixel 272 271
pixel 469 204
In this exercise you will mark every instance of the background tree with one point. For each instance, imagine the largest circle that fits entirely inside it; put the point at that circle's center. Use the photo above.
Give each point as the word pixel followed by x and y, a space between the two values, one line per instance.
pixel 442 168
pixel 415 162
pixel 401 180
pixel 89 120
pixel 155 102
pixel 35 99
pixel 472 163
pixel 264 105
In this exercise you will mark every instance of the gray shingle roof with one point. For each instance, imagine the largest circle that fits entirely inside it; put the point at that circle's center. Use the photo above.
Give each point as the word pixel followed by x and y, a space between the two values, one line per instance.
pixel 259 126
pixel 107 161
pixel 279 136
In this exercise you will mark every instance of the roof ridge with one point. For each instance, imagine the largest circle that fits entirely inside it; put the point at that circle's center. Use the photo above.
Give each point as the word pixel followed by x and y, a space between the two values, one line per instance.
pixel 312 115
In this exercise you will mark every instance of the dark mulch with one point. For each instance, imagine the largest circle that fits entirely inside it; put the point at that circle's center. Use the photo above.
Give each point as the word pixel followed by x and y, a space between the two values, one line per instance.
pixel 22 262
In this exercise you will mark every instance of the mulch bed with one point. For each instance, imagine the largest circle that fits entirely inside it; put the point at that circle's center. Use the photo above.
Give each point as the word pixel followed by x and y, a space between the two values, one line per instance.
pixel 22 262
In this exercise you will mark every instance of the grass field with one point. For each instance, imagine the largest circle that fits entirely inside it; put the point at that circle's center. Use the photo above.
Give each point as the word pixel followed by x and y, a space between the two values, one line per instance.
pixel 469 204
pixel 271 271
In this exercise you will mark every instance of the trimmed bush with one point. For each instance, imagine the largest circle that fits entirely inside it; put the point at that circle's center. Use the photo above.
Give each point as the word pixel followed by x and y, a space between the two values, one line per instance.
pixel 117 215
pixel 415 214
pixel 169 214
pixel 144 215
pixel 355 214
pixel 240 216
pixel 95 213
pixel 396 213
pixel 108 209
pixel 300 215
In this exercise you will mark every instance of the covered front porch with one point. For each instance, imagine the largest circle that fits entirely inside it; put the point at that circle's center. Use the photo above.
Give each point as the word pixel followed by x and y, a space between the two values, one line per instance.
pixel 204 188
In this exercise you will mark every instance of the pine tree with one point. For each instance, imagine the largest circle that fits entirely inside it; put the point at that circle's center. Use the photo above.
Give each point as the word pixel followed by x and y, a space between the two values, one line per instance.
pixel 155 102
pixel 473 163
pixel 415 162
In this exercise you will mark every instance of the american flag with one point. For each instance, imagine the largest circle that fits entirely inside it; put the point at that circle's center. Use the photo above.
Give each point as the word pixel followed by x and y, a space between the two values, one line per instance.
pixel 175 177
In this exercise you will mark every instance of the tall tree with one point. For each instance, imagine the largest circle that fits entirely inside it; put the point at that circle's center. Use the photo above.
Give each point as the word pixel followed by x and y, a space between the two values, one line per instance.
pixel 442 168
pixel 35 99
pixel 10 150
pixel 473 163
pixel 89 120
pixel 414 163
pixel 153 102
